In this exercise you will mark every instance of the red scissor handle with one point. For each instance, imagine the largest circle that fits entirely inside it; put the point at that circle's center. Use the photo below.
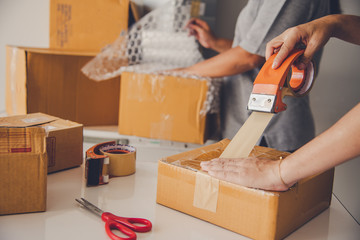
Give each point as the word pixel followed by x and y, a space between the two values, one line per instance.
pixel 125 225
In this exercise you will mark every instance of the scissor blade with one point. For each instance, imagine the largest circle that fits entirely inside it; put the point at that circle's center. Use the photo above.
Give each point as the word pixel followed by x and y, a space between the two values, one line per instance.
pixel 89 206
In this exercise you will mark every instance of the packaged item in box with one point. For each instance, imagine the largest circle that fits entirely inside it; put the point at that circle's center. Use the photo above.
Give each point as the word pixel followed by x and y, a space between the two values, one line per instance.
pixel 257 214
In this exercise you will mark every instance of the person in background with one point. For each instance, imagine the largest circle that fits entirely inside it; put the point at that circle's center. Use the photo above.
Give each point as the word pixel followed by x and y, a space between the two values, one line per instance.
pixel 336 145
pixel 242 58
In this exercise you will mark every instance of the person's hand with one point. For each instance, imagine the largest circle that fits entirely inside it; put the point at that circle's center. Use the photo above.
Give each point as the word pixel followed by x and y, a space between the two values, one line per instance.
pixel 202 32
pixel 249 172
pixel 313 35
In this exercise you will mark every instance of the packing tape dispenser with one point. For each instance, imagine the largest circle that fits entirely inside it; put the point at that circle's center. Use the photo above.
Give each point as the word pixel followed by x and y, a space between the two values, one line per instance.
pixel 271 85
pixel 108 159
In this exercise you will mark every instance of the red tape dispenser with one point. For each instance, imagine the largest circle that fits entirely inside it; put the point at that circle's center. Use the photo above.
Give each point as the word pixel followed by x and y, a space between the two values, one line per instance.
pixel 271 85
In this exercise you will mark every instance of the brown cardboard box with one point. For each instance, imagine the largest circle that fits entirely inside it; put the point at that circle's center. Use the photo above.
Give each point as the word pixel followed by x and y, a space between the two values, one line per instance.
pixel 23 164
pixel 50 81
pixel 86 24
pixel 165 107
pixel 64 139
pixel 253 213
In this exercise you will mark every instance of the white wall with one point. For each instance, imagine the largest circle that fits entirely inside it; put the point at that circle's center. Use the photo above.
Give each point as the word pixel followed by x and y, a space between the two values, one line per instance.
pixel 24 23
pixel 336 90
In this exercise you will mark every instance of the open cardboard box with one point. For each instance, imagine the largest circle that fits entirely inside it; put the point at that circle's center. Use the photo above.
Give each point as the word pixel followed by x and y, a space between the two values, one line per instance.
pixel 167 107
pixel 51 82
pixel 250 212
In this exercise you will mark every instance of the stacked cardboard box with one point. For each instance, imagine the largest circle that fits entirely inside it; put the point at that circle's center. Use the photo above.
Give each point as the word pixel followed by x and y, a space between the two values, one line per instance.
pixel 51 81
pixel 30 147
pixel 253 213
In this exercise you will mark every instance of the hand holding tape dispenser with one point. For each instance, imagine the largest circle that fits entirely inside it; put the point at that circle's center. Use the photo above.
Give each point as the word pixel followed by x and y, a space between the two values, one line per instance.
pixel 270 86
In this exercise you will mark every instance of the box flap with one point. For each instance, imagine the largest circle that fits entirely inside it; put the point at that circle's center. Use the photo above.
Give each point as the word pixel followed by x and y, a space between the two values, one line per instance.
pixel 55 51
pixel 27 120
pixel 15 81
pixel 60 124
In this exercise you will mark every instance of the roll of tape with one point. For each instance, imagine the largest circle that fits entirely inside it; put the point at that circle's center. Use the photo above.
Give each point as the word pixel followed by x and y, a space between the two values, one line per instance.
pixel 108 159
pixel 122 159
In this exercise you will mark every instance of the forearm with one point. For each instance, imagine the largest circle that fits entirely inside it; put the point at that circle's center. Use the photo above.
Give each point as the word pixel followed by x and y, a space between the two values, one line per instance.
pixel 345 27
pixel 233 61
pixel 221 45
pixel 336 145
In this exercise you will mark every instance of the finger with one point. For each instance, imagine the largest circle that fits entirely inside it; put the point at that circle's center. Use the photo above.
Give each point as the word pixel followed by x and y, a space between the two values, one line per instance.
pixel 190 21
pixel 196 28
pixel 201 23
pixel 227 164
pixel 309 53
pixel 285 49
pixel 273 46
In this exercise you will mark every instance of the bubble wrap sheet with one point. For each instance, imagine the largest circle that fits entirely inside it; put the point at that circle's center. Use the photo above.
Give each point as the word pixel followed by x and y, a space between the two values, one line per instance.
pixel 158 41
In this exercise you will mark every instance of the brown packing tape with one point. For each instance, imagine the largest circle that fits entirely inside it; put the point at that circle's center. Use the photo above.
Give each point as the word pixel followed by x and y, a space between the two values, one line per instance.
pixel 122 159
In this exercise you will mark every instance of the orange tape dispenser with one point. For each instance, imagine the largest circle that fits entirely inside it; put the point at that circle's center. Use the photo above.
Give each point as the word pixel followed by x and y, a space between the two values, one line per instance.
pixel 271 85
pixel 109 159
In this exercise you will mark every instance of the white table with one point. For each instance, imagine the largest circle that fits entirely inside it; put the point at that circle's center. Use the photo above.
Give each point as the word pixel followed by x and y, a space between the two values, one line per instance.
pixel 135 196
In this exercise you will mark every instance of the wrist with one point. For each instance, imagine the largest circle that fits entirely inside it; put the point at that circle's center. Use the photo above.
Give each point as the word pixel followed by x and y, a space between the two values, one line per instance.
pixel 287 175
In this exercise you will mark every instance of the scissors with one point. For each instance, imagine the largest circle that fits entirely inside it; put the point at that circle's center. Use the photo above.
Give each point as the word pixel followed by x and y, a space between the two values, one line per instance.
pixel 123 224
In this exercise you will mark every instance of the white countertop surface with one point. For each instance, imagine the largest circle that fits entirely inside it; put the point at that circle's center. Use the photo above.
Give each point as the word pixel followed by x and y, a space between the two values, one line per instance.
pixel 135 196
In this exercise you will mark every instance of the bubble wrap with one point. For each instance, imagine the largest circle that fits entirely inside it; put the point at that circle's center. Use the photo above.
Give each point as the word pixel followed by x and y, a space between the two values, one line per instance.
pixel 158 41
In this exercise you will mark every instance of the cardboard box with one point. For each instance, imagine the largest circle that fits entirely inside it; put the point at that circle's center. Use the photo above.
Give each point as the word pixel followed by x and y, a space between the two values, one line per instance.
pixel 64 139
pixel 23 169
pixel 253 213
pixel 51 82
pixel 166 107
pixel 86 24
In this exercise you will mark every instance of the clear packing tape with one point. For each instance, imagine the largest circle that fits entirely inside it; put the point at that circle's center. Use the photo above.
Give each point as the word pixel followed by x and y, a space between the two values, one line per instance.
pixel 158 41
pixel 192 159
pixel 158 84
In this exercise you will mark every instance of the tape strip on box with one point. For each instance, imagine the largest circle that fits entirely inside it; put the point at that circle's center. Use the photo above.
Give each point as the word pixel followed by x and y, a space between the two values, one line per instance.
pixel 206 192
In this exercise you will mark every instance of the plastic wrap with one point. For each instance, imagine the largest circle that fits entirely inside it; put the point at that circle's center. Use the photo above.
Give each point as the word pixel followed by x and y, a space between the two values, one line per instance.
pixel 158 40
